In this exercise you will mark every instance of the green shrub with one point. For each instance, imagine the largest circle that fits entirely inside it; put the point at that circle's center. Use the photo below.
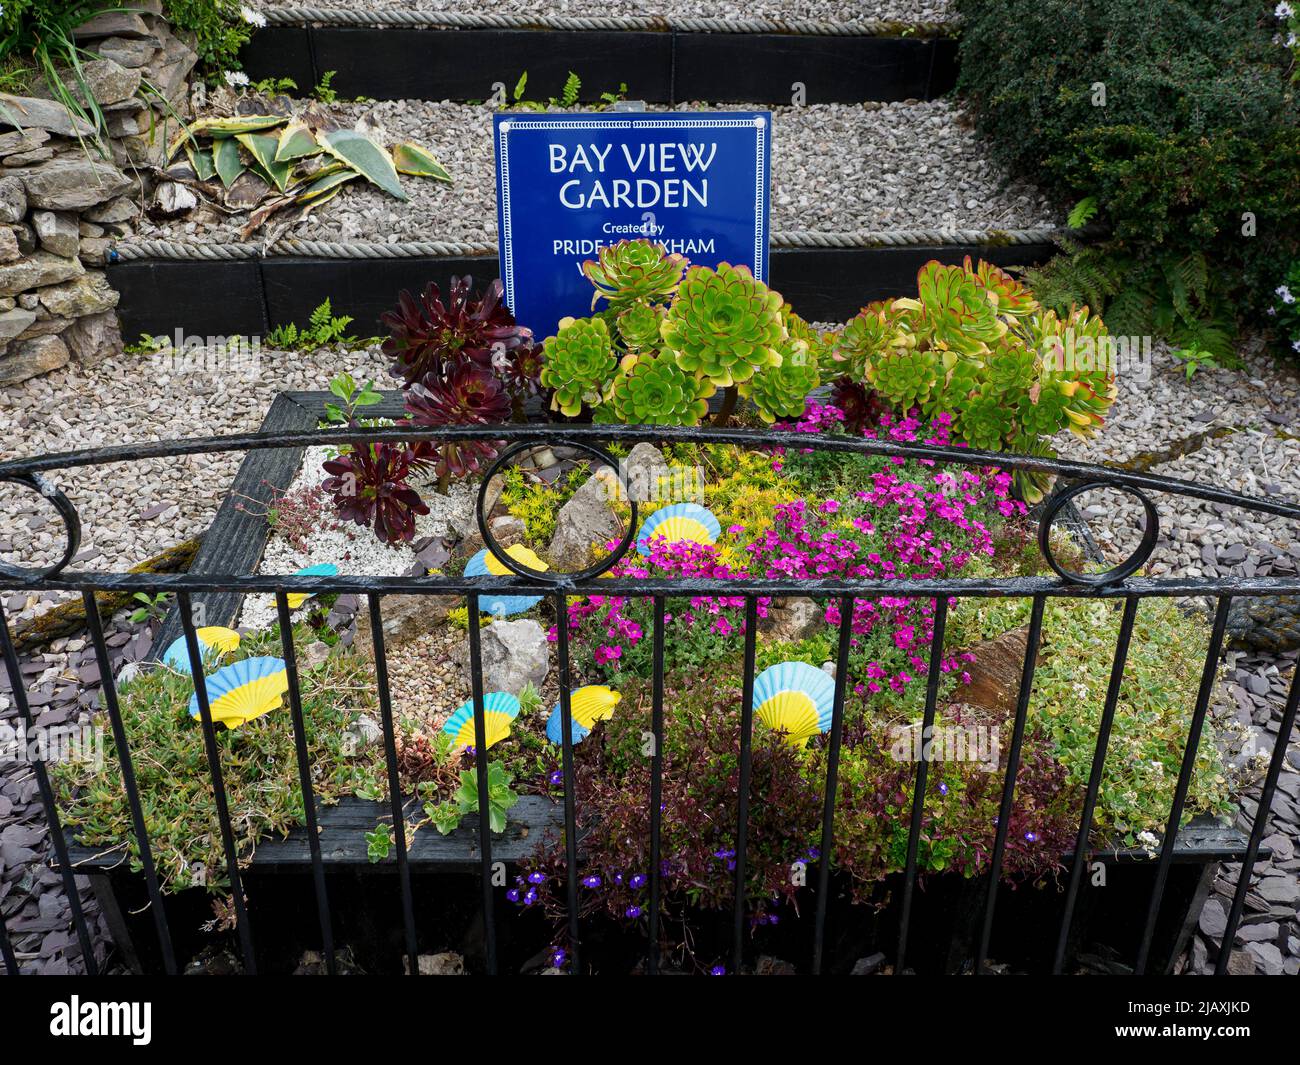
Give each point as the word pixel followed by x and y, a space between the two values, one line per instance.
pixel 219 29
pixel 1176 118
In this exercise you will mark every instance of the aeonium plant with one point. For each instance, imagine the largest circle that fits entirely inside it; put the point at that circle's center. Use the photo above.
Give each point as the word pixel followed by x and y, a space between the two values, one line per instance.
pixel 671 335
pixel 462 361
pixel 976 345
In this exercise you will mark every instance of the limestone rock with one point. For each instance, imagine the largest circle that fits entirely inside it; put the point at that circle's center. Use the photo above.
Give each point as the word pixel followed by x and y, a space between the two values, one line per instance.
pixel 171 200
pixel 405 617
pixel 118 210
pixel 30 358
pixel 508 530
pixel 22 140
pixel 995 673
pixel 25 235
pixel 57 233
pixel 642 469
pixel 515 653
pixel 70 183
pixel 128 52
pixel 89 293
pixel 36 271
pixel 36 155
pixel 45 325
pixel 362 733
pixel 14 322
pixel 113 24
pixel 13 200
pixel 94 250
pixel 94 338
pixel 9 250
pixel 585 524
pixel 34 112
pixel 793 619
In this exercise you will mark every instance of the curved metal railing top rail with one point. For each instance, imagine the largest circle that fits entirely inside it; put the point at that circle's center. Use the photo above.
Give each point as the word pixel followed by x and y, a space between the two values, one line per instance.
pixel 1082 476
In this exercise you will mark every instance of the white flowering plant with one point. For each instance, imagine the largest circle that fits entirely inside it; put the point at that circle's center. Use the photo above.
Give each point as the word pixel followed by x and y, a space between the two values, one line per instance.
pixel 1285 310
pixel 1288 35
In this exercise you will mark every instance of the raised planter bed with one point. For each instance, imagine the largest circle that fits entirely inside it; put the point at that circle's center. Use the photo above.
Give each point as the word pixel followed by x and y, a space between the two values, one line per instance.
pixel 665 66
pixel 367 909
pixel 822 284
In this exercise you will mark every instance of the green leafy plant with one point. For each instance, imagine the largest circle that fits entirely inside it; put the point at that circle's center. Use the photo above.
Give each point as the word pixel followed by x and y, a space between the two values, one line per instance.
pixel 974 347
pixel 352 397
pixel 274 86
pixel 1174 123
pixel 324 90
pixel 1285 311
pixel 447 815
pixel 324 329
pixel 569 95
pixel 219 27
pixel 379 842
pixel 671 335
pixel 151 606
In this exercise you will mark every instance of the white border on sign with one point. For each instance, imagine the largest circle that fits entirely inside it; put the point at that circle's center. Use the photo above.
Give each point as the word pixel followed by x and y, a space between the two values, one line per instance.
pixel 760 175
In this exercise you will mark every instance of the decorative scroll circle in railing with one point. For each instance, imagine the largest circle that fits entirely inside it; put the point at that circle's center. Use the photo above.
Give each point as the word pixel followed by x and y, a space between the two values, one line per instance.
pixel 603 458
pixel 1076 477
pixel 67 513
pixel 1136 559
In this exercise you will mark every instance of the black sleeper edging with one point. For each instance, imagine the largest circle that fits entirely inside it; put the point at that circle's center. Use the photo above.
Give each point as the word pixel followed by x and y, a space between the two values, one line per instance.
pixel 161 296
pixel 657 67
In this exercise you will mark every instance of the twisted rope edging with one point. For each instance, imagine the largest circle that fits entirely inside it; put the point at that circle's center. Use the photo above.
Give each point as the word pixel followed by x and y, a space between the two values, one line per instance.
pixel 335 16
pixel 794 239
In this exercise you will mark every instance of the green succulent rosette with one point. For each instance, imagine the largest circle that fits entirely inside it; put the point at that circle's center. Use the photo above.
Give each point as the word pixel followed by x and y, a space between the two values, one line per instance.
pixel 952 311
pixel 782 391
pixel 578 362
pixel 906 378
pixel 638 326
pixel 724 324
pixel 633 270
pixel 654 390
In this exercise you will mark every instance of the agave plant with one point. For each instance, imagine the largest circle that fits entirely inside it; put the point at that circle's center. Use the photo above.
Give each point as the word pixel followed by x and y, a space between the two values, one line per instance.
pixel 633 270
pixel 428 336
pixel 724 324
pixel 369 485
pixel 974 344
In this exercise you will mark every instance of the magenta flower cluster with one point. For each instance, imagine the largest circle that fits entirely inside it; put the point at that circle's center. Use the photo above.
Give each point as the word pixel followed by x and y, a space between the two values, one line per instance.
pixel 915 521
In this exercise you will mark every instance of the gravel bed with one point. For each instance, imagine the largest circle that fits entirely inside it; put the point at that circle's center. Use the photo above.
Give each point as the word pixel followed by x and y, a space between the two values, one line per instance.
pixel 130 511
pixel 835 168
pixel 1255 409
pixel 789 10
pixel 63 684
pixel 1268 938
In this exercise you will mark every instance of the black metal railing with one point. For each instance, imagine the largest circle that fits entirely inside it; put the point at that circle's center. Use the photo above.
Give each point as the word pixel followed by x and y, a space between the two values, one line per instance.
pixel 1118 583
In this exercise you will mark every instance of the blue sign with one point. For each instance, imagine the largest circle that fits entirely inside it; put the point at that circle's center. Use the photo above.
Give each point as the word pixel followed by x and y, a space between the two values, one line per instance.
pixel 568 184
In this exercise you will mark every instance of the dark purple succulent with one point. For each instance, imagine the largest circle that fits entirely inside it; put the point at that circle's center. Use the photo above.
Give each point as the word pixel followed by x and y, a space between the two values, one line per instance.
pixel 432 337
pixel 369 485
pixel 470 396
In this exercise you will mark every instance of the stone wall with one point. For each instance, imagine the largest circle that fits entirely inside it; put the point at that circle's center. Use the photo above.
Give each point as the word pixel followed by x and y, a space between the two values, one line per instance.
pixel 65 194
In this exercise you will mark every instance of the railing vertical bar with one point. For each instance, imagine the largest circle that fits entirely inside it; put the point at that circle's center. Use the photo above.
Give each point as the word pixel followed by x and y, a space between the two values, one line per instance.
pixel 304 782
pixel 43 785
pixel 185 610
pixel 1009 785
pixel 922 772
pixel 832 781
pixel 1260 824
pixel 656 781
pixel 7 954
pixel 1094 778
pixel 394 779
pixel 570 783
pixel 1208 674
pixel 481 767
pixel 746 767
pixel 109 686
